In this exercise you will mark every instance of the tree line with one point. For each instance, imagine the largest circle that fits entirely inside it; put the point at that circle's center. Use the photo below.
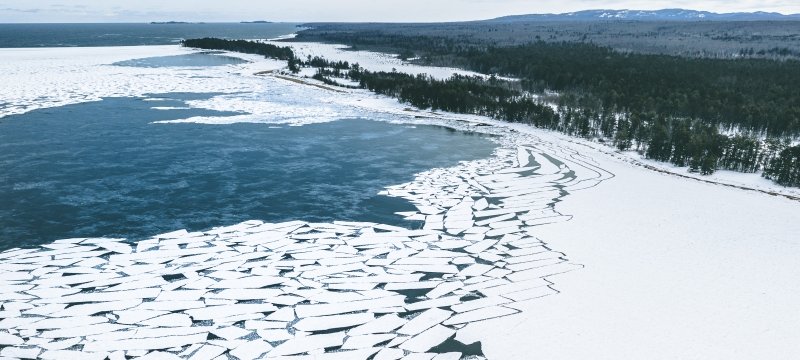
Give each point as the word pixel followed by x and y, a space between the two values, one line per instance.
pixel 645 124
pixel 677 140
pixel 755 95
pixel 241 46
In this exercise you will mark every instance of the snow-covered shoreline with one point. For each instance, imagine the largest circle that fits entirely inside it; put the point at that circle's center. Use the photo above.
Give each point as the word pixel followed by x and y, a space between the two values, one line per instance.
pixel 477 252
pixel 675 268
pixel 85 74
pixel 280 290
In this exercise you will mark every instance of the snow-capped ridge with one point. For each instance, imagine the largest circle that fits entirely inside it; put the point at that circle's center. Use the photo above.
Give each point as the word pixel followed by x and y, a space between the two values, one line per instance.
pixel 658 15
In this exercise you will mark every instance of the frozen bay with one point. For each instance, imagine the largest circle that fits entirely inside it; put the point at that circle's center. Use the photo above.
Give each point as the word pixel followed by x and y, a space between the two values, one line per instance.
pixel 104 169
pixel 667 274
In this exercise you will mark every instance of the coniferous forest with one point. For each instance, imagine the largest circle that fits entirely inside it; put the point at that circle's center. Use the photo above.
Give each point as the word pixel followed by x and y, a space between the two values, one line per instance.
pixel 707 114
pixel 242 46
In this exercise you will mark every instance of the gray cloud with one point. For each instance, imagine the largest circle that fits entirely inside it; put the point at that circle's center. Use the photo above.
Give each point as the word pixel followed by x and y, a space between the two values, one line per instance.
pixel 13 10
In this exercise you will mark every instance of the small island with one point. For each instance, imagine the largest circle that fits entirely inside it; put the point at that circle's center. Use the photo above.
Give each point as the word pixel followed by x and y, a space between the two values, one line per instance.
pixel 174 23
pixel 256 22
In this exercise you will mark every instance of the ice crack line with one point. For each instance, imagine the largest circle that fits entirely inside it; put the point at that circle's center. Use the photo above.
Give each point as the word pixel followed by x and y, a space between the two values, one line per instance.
pixel 298 290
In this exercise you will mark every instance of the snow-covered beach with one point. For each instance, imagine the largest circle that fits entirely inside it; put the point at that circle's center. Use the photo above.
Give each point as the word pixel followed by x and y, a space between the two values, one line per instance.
pixel 674 269
pixel 671 267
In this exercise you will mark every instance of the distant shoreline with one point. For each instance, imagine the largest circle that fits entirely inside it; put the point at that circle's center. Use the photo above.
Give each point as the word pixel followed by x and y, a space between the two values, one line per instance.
pixel 174 23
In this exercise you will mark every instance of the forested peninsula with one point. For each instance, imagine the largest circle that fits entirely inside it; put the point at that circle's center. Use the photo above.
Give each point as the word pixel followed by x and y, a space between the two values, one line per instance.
pixel 707 114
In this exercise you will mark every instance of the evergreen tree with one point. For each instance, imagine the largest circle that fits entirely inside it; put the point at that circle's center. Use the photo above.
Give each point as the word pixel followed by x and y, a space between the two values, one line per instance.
pixel 785 168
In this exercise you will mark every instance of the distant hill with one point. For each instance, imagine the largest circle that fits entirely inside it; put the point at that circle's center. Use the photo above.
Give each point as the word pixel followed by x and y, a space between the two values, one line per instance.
pixel 651 15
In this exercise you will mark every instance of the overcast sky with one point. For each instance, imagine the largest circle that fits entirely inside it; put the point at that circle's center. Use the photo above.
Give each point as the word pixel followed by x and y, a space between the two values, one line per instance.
pixel 339 10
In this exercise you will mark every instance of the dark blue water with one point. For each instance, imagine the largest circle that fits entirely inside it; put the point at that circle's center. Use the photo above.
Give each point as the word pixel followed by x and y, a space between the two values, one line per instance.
pixel 197 59
pixel 102 169
pixel 57 35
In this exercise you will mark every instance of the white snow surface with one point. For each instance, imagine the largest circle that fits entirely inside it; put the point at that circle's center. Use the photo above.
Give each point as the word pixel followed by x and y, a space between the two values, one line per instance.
pixel 675 268
pixel 734 178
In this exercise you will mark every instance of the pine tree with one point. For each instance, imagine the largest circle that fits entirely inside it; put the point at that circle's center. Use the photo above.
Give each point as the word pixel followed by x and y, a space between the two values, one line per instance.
pixel 785 168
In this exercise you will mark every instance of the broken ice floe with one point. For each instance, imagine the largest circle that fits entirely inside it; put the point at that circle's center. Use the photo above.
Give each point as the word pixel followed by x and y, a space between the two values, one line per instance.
pixel 300 290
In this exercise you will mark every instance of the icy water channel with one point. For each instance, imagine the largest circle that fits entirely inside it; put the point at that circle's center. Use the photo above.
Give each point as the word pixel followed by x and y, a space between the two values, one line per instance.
pixel 202 59
pixel 103 169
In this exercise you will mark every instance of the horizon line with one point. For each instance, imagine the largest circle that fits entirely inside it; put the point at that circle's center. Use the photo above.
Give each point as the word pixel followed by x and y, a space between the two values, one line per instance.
pixel 186 22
